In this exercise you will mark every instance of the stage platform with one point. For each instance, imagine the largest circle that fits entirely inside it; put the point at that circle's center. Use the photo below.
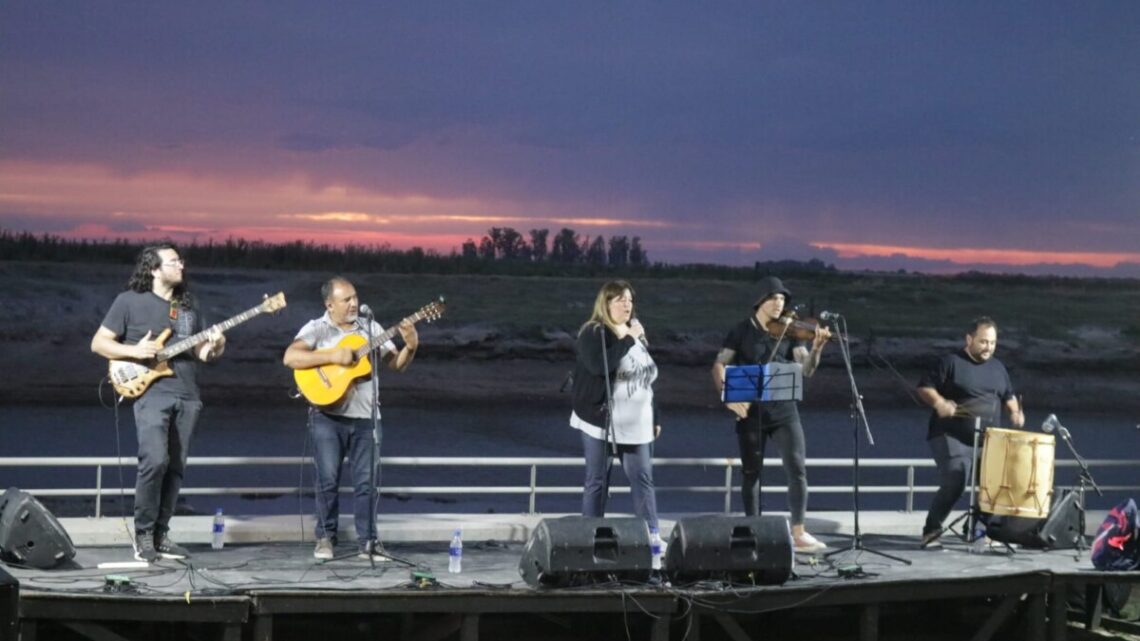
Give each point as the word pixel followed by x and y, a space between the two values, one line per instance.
pixel 265 585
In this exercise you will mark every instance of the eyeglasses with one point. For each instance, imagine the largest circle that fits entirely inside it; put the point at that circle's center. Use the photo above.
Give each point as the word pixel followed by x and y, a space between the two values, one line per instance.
pixel 176 261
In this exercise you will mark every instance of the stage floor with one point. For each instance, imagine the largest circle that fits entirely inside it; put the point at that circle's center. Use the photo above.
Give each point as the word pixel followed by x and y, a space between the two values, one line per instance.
pixel 277 590
pixel 238 568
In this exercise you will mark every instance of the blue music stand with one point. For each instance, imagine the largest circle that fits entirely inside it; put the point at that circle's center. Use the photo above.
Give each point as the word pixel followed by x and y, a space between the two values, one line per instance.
pixel 763 383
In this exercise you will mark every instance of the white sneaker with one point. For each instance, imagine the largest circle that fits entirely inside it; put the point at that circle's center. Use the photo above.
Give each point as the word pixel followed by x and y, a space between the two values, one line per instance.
pixel 808 543
pixel 324 550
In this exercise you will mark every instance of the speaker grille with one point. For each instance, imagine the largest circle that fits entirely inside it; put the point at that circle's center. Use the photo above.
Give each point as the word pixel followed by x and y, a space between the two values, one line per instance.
pixel 731 548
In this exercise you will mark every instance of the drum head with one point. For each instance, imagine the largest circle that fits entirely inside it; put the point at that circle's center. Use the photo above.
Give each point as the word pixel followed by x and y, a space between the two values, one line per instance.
pixel 1016 473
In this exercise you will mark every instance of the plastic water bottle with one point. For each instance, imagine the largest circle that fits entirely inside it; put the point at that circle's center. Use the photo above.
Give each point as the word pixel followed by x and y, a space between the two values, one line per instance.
pixel 455 553
pixel 978 544
pixel 656 548
pixel 219 538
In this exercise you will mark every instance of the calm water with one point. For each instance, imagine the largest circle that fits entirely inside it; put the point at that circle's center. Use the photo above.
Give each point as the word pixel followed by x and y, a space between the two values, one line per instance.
pixel 502 431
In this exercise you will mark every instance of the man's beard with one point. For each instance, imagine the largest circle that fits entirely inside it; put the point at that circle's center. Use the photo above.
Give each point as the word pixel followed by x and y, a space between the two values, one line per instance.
pixel 980 356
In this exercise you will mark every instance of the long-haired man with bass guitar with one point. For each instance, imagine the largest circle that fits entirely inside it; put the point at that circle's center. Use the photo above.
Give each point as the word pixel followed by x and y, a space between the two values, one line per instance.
pixel 343 427
pixel 156 302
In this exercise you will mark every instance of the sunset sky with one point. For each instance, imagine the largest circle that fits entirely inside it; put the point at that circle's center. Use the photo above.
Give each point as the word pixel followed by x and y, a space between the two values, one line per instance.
pixel 885 135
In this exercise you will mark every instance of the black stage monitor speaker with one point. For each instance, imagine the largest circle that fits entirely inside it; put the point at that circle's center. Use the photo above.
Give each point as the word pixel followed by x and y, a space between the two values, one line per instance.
pixel 29 534
pixel 1061 530
pixel 740 549
pixel 578 550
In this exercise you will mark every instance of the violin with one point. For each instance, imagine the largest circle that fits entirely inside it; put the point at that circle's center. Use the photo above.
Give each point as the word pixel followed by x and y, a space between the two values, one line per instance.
pixel 792 327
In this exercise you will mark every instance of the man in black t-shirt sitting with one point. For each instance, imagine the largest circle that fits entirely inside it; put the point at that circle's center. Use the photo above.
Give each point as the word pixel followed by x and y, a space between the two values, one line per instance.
pixel 963 386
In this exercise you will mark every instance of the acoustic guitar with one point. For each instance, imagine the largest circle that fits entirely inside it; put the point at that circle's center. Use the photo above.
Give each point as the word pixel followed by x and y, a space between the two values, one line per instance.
pixel 131 378
pixel 328 384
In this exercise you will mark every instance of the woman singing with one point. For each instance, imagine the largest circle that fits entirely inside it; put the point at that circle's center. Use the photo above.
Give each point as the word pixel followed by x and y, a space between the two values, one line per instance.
pixel 612 345
pixel 750 343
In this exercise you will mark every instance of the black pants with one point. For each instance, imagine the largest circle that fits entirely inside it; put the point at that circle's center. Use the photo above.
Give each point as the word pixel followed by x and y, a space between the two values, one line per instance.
pixel 953 458
pixel 165 426
pixel 780 423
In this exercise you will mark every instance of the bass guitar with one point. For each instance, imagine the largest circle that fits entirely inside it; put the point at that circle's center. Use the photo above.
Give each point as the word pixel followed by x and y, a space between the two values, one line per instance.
pixel 131 378
pixel 327 384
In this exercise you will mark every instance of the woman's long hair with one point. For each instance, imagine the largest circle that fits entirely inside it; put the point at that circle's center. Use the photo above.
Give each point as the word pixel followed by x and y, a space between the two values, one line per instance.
pixel 601 315
pixel 142 280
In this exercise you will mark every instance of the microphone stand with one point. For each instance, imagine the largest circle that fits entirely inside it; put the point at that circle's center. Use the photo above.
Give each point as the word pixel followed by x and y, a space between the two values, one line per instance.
pixel 370 546
pixel 608 432
pixel 973 515
pixel 1084 479
pixel 858 415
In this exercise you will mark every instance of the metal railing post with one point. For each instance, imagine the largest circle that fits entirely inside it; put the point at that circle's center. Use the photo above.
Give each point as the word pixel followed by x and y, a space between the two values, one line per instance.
pixel 533 487
pixel 728 487
pixel 98 491
pixel 909 489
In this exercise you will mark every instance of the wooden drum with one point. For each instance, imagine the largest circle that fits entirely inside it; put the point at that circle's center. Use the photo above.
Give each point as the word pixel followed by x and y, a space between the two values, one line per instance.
pixel 1017 473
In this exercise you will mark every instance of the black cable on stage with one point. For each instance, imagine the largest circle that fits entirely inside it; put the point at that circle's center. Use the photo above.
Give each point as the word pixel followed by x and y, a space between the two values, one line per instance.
pixel 115 403
pixel 301 477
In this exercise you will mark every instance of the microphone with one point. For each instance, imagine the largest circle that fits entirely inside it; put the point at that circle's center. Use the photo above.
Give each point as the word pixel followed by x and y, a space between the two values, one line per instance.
pixel 826 315
pixel 644 341
pixel 363 315
pixel 1051 424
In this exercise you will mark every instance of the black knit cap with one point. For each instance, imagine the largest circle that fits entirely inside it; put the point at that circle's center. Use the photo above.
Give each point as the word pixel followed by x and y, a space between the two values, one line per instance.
pixel 770 286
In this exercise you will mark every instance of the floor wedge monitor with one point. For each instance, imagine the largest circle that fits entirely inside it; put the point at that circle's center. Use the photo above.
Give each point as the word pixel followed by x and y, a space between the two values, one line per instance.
pixel 1060 530
pixel 29 534
pixel 578 550
pixel 738 549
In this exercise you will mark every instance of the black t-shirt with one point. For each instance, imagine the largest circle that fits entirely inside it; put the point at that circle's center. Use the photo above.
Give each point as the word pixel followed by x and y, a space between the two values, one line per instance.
pixel 133 314
pixel 979 389
pixel 754 346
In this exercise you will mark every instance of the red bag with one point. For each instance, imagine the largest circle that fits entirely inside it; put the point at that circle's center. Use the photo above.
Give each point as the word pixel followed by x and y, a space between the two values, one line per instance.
pixel 1117 544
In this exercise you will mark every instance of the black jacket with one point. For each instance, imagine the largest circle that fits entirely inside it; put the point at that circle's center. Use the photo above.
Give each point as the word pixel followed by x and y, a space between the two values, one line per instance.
pixel 589 391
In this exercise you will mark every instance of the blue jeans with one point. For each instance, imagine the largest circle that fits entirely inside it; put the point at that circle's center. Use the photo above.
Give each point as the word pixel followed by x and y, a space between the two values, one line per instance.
pixel 636 461
pixel 333 438
pixel 164 425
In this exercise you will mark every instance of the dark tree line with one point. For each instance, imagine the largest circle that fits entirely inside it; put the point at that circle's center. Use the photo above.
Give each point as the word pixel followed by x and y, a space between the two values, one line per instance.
pixel 502 251
pixel 566 248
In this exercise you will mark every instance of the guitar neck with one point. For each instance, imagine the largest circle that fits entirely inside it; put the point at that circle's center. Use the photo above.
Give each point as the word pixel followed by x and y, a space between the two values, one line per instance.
pixel 190 341
pixel 385 336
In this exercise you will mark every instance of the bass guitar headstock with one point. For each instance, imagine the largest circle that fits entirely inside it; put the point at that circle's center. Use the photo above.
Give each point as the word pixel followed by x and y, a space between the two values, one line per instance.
pixel 272 304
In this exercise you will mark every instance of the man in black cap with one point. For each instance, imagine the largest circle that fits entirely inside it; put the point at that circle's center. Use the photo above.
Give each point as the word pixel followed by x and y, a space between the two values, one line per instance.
pixel 750 342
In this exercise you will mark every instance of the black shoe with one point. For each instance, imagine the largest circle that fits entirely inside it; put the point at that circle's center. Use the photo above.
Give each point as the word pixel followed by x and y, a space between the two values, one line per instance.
pixel 168 549
pixel 144 547
pixel 931 540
